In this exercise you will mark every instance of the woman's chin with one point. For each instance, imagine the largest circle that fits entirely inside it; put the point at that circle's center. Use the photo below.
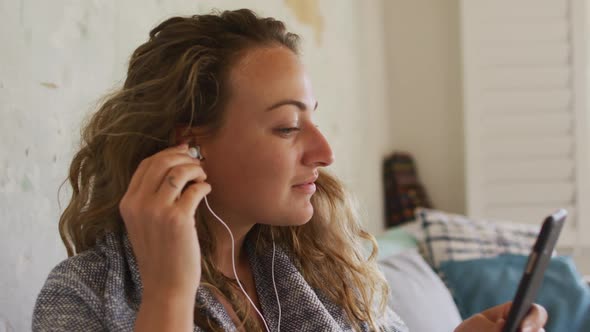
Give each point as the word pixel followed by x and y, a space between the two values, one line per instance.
pixel 294 214
pixel 301 218
pixel 306 213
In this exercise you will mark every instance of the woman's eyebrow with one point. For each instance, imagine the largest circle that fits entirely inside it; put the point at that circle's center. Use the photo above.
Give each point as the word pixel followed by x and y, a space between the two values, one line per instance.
pixel 297 103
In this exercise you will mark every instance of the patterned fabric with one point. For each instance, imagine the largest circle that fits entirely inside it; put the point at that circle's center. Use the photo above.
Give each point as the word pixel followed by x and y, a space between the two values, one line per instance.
pixel 458 238
pixel 403 189
pixel 100 290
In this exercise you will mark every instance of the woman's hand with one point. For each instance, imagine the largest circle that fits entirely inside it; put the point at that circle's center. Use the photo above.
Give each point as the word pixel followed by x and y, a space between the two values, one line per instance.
pixel 493 320
pixel 160 222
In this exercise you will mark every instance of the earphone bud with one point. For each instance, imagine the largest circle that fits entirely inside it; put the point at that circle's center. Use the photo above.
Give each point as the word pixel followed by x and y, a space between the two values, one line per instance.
pixel 195 152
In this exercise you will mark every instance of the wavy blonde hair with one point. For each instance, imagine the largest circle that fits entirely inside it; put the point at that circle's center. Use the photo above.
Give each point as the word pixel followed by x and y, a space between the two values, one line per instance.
pixel 180 75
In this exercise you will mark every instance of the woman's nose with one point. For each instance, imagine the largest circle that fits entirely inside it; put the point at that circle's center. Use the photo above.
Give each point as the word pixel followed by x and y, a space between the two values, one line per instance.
pixel 318 150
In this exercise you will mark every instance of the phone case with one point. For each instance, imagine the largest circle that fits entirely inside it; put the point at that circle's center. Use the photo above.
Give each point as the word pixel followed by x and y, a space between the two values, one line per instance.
pixel 532 277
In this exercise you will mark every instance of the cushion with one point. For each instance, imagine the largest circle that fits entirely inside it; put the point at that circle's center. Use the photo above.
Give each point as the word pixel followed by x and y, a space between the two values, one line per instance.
pixel 492 281
pixel 456 237
pixel 393 241
pixel 417 293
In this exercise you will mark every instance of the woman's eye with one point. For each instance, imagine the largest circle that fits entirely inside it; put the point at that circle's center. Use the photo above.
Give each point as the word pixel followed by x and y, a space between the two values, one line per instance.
pixel 288 130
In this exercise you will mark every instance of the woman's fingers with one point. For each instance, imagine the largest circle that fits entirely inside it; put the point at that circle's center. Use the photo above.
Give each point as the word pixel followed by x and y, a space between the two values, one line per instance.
pixel 498 312
pixel 192 196
pixel 155 175
pixel 535 320
pixel 480 323
pixel 161 226
pixel 137 180
pixel 532 322
pixel 494 319
pixel 175 181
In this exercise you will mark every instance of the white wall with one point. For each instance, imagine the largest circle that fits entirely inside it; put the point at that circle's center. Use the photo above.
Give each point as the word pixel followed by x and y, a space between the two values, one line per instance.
pixel 424 72
pixel 59 57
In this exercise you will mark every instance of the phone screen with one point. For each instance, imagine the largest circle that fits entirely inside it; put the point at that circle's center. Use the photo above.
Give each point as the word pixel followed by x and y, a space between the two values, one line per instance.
pixel 535 269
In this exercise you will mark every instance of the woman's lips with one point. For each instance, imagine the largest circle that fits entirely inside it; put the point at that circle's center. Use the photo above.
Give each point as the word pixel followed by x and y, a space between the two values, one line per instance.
pixel 308 188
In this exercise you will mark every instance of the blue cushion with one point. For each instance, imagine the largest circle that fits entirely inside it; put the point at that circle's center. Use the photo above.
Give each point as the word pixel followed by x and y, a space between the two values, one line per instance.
pixel 482 283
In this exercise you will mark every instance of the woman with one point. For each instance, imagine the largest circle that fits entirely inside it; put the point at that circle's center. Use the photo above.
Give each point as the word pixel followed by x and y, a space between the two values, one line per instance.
pixel 214 127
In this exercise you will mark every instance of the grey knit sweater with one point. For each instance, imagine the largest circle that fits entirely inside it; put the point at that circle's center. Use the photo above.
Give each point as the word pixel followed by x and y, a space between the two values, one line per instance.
pixel 100 290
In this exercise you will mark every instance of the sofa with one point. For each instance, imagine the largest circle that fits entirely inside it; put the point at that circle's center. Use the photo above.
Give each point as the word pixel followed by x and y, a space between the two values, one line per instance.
pixel 442 268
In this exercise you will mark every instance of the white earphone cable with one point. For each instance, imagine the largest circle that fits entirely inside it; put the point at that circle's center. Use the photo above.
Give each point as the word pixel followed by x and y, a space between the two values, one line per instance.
pixel 236 274
pixel 273 281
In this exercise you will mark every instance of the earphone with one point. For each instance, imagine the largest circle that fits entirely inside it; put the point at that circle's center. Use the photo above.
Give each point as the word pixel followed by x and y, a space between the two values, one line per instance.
pixel 195 152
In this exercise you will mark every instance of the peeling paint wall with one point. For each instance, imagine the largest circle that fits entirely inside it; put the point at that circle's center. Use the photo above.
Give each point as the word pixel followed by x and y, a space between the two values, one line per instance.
pixel 59 57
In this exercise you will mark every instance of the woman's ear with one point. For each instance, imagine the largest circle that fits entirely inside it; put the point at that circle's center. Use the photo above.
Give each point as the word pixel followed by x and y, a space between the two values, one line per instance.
pixel 182 133
pixel 193 136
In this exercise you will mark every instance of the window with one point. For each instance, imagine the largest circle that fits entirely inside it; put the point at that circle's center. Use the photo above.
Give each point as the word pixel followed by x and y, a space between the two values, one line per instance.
pixel 526 114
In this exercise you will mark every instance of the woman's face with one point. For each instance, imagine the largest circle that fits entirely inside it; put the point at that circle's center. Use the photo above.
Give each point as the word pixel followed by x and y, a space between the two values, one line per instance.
pixel 262 163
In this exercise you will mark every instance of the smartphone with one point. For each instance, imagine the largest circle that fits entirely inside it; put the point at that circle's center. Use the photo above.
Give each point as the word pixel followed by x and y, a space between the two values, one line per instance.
pixel 535 269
